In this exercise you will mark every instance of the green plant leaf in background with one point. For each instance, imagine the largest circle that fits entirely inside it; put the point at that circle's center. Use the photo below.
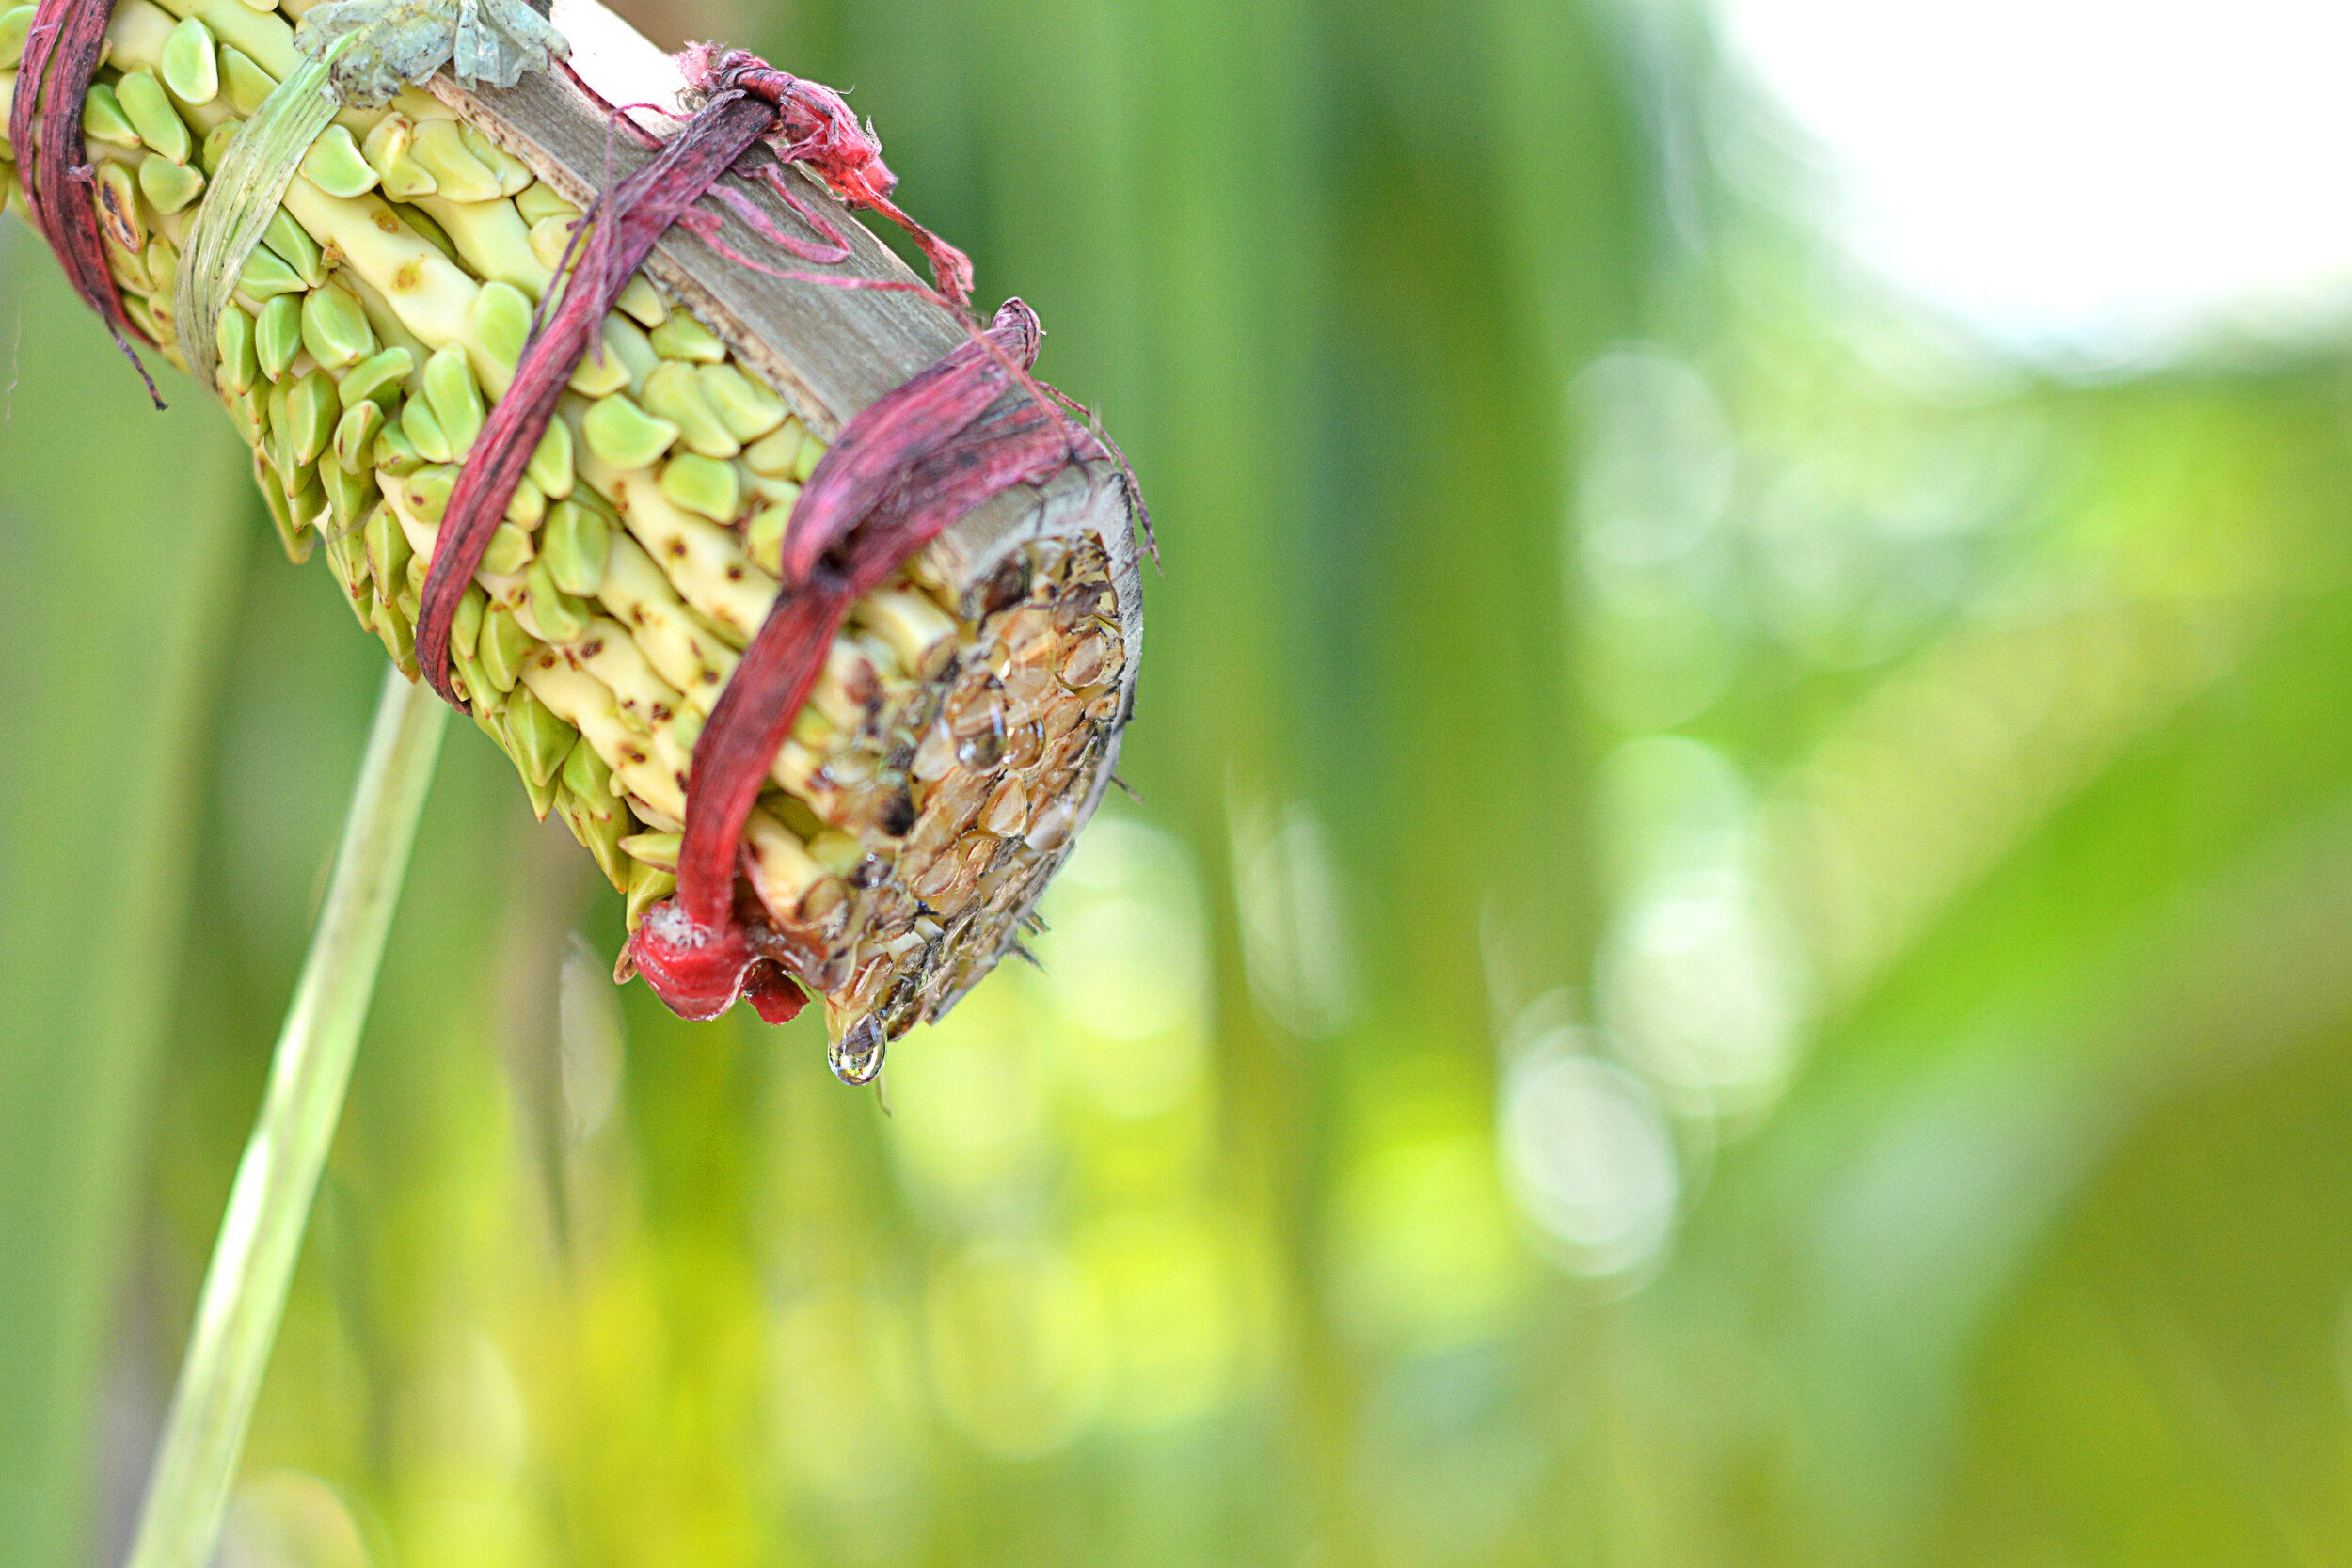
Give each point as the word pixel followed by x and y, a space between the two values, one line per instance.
pixel 120 559
pixel 1734 948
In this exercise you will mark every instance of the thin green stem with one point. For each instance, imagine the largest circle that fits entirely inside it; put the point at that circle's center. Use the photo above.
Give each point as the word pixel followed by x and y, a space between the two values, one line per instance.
pixel 269 1207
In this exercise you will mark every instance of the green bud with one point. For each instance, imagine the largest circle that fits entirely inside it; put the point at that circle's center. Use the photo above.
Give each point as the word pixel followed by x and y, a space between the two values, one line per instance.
pixel 293 245
pixel 629 341
pixel 647 888
pixel 804 464
pixel 500 322
pixel 296 535
pixel 550 466
pixel 776 492
pixel 589 781
pixel 466 626
pixel 187 63
pixel 514 175
pixel 542 796
pixel 527 508
pixel 348 495
pixel 119 219
pixel 103 119
pixel 561 617
pixel 126 264
pixel 438 148
pixel 424 431
pixel 540 739
pixel 425 493
pixel 576 546
pixel 641 303
pixel 747 409
pixel 152 117
pixel 681 337
pixel 335 327
pixel 355 436
pixel 600 835
pixel 509 551
pixel 281 515
pixel 14 25
pixel 686 726
pixel 216 145
pixel 502 647
pixel 600 372
pixel 626 435
pixel 148 318
pixel 703 486
pixel 275 446
pixel 449 386
pixel 378 377
pixel 245 410
pixel 313 408
pixel 265 277
pixel 490 718
pixel 399 635
pixel 163 267
pixel 334 165
pixel 347 558
pixel 472 685
pixel 168 186
pixel 549 239
pixel 277 334
pixel 763 538
pixel 245 83
pixel 775 455
pixel 659 850
pixel 386 151
pixel 396 456
pixel 673 393
pixel 301 484
pixel 232 340
pixel 537 202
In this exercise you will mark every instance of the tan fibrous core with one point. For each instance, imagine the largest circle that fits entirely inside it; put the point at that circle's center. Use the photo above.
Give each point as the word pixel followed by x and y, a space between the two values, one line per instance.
pixel 930 784
pixel 941 765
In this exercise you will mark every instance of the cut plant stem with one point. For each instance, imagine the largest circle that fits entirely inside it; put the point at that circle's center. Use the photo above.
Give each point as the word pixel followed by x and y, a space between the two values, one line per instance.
pixel 269 1206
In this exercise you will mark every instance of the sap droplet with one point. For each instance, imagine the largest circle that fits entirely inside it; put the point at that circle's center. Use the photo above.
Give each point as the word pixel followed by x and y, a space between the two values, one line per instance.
pixel 856 1057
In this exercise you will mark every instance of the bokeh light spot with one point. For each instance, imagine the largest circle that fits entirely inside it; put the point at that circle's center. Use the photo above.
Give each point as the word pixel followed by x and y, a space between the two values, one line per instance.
pixel 1589 1157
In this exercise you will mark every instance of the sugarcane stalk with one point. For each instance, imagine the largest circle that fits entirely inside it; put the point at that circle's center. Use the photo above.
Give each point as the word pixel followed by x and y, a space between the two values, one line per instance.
pixel 269 1206
pixel 362 293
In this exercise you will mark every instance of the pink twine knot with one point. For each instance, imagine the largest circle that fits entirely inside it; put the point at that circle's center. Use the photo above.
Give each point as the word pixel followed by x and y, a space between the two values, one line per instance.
pixel 816 127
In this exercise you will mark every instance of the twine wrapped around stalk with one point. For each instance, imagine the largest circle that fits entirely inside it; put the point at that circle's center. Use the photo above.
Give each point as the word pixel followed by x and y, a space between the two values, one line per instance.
pixel 804 603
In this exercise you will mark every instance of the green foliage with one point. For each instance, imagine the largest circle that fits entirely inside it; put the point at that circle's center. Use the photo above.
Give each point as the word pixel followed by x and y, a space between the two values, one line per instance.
pixel 1734 947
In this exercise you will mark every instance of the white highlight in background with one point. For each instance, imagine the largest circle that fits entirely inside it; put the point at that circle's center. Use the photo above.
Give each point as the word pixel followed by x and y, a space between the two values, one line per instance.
pixel 1588 1156
pixel 2082 179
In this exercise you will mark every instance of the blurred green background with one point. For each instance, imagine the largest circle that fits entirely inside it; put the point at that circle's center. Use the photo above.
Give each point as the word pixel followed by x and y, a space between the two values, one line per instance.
pixel 1736 946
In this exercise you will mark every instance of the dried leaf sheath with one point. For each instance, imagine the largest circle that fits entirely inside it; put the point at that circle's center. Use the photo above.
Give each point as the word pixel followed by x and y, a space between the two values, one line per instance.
pixel 963 720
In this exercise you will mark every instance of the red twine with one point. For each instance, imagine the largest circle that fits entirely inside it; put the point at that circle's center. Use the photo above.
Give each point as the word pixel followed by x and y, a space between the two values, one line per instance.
pixel 903 469
pixel 61 57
